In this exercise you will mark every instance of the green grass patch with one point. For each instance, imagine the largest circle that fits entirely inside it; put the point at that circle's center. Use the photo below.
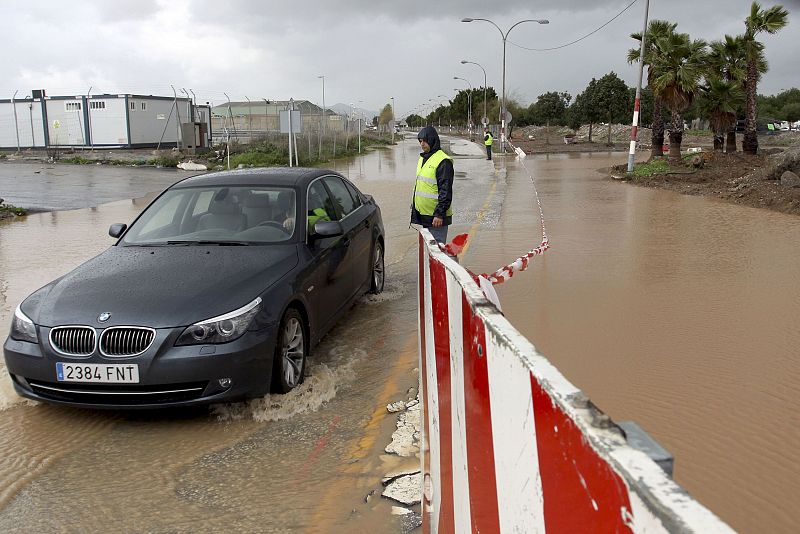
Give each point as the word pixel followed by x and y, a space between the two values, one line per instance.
pixel 78 160
pixel 165 161
pixel 651 168
pixel 8 208
pixel 260 155
pixel 699 133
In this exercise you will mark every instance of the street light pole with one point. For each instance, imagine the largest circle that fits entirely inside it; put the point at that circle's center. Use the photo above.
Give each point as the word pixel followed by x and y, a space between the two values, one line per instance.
pixel 323 103
pixel 89 117
pixel 463 62
pixel 505 37
pixel 393 117
pixel 16 126
pixel 441 105
pixel 321 131
pixel 469 111
pixel 469 104
pixel 249 120
pixel 360 125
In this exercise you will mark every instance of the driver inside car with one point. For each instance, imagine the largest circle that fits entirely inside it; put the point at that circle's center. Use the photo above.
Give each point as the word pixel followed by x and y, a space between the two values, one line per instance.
pixel 284 210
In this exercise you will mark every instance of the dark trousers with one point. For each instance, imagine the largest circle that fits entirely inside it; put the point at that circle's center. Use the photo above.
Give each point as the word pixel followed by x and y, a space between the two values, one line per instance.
pixel 488 151
pixel 439 233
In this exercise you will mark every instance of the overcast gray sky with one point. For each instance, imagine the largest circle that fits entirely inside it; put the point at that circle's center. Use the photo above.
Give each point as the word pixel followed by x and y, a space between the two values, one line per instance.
pixel 368 50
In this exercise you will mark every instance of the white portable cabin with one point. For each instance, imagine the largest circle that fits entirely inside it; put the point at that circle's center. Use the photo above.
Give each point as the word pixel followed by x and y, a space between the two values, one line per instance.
pixel 107 121
pixel 66 121
pixel 22 124
pixel 154 119
pixel 103 121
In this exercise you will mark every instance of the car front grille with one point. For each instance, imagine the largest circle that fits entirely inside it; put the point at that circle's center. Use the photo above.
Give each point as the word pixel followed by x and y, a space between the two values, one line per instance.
pixel 117 394
pixel 73 340
pixel 122 341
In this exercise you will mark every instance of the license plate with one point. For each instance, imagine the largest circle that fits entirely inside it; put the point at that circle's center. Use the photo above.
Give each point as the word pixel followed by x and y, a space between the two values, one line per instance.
pixel 98 372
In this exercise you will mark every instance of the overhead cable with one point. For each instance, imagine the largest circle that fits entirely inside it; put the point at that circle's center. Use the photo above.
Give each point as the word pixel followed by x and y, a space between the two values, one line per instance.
pixel 577 40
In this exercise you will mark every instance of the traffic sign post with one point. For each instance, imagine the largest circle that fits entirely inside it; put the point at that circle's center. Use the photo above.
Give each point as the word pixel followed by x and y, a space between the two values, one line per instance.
pixel 291 121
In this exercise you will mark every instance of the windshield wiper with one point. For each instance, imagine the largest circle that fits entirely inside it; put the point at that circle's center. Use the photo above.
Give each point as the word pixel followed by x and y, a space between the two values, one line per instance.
pixel 206 243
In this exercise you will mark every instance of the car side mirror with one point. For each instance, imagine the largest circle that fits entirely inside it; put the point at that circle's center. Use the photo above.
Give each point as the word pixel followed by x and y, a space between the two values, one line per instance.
pixel 327 229
pixel 117 229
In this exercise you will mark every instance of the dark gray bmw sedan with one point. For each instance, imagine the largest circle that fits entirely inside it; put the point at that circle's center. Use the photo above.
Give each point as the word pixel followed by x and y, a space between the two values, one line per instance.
pixel 216 292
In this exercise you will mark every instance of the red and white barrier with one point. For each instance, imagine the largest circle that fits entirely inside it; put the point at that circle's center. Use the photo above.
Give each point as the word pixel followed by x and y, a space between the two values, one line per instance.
pixel 509 445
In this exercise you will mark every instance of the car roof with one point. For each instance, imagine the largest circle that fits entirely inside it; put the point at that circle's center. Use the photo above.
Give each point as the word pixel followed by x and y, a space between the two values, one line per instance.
pixel 276 176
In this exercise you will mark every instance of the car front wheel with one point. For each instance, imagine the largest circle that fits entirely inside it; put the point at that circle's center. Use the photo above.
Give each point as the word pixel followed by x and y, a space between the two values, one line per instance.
pixel 290 353
pixel 378 274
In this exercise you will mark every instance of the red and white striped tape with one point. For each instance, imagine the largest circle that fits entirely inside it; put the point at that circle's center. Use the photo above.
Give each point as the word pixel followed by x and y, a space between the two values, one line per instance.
pixel 509 445
pixel 520 264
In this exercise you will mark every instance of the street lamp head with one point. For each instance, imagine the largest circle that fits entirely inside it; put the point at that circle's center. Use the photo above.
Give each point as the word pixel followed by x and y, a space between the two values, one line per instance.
pixel 467 19
pixel 543 21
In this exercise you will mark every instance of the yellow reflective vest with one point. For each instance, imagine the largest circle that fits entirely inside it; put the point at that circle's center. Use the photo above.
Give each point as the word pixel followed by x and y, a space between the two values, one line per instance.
pixel 488 140
pixel 426 191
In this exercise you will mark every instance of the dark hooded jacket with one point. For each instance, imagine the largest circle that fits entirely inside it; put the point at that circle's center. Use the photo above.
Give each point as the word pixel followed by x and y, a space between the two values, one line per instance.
pixel 444 182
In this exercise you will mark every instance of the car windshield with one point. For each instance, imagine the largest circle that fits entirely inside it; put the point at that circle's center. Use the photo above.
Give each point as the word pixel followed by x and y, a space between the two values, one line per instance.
pixel 216 215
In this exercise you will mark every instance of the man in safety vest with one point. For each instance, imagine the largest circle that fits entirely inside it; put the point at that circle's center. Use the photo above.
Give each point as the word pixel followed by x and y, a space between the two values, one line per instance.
pixel 433 191
pixel 316 210
pixel 488 140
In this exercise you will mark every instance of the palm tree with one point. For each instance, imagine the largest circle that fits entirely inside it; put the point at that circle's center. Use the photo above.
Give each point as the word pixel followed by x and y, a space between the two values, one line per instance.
pixel 727 61
pixel 721 99
pixel 760 20
pixel 679 69
pixel 656 30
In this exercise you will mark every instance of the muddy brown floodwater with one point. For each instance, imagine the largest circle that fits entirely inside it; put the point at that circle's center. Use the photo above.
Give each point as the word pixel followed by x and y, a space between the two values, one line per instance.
pixel 680 313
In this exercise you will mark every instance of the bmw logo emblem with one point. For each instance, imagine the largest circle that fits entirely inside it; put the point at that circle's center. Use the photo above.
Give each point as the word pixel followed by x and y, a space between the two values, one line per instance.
pixel 103 317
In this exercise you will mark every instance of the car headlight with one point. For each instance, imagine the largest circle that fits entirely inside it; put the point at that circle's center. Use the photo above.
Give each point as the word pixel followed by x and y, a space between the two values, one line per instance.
pixel 22 328
pixel 221 329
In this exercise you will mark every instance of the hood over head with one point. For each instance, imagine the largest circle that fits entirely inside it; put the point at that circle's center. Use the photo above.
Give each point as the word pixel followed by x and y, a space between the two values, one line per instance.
pixel 428 133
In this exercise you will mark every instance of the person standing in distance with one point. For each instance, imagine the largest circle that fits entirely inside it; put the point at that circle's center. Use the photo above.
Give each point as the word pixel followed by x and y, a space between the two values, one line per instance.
pixel 488 140
pixel 433 190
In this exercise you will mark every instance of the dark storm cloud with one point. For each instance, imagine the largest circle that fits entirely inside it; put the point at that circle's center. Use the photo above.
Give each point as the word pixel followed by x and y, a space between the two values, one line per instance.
pixel 409 11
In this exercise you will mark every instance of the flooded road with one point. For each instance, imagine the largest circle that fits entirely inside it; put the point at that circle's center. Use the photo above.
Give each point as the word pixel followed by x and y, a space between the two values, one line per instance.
pixel 677 312
pixel 44 186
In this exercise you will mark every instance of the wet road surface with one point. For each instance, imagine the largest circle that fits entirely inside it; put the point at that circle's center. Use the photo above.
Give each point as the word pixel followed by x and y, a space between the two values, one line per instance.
pixel 676 312
pixel 44 186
